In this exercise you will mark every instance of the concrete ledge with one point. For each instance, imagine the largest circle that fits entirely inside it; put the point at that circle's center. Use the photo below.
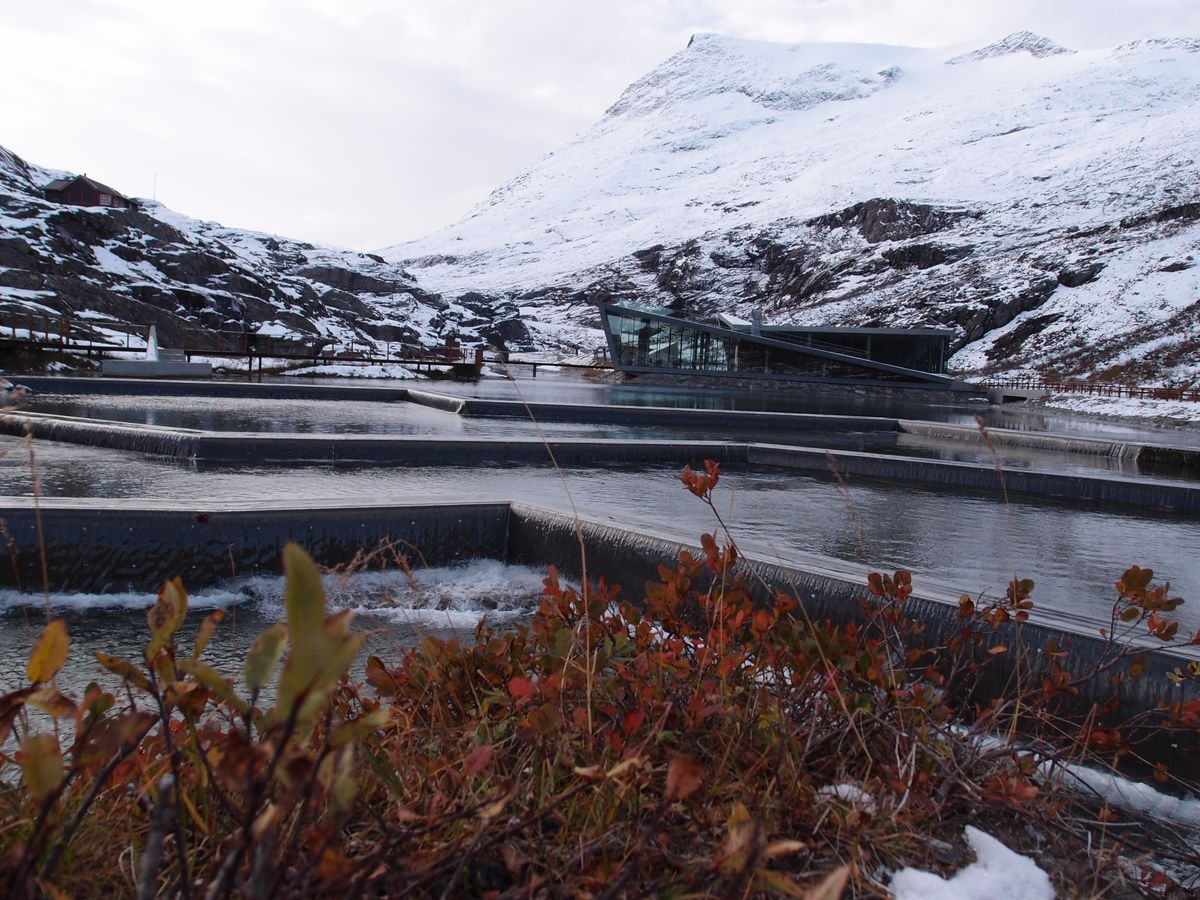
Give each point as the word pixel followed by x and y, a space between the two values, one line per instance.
pixel 147 368
pixel 130 387
pixel 250 449
pixel 604 414
pixel 1104 489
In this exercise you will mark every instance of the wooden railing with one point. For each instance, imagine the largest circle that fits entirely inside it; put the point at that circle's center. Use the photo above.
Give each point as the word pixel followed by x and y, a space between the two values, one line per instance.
pixel 1097 388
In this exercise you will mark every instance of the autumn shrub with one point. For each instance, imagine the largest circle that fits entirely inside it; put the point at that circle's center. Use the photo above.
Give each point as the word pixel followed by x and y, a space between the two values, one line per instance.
pixel 695 743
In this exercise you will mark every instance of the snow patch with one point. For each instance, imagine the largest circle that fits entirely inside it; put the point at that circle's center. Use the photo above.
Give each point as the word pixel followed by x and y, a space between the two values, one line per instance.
pixel 997 874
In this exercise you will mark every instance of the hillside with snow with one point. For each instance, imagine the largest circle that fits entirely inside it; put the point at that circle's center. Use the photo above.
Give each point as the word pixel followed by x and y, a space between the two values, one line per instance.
pixel 1043 202
pixel 156 266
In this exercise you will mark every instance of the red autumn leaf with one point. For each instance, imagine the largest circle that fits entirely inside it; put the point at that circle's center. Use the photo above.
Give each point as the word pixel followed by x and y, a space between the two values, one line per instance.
pixel 521 688
pixel 478 760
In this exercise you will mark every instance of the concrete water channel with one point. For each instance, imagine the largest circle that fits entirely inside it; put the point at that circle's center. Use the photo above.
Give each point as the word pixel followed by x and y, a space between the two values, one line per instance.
pixel 140 481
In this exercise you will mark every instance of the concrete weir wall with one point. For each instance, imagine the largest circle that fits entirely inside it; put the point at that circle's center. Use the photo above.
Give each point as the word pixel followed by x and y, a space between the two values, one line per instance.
pixel 827 589
pixel 123 546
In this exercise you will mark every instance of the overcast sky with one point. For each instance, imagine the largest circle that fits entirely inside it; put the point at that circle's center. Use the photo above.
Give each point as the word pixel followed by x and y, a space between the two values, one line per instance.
pixel 362 123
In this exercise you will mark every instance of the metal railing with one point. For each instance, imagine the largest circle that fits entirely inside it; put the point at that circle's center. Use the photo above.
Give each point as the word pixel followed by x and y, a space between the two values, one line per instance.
pixel 1096 388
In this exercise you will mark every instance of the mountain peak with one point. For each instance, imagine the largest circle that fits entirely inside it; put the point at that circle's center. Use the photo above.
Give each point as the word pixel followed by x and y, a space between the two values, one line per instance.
pixel 1035 45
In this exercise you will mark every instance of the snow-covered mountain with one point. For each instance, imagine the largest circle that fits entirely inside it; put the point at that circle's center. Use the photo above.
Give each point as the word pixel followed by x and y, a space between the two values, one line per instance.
pixel 1043 202
pixel 155 266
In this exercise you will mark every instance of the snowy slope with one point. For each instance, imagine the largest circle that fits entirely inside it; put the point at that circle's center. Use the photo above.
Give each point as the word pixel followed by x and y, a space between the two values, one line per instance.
pixel 1043 202
pixel 155 266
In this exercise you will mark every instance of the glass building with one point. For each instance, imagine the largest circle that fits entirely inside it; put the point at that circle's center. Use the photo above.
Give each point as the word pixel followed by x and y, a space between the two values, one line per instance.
pixel 652 341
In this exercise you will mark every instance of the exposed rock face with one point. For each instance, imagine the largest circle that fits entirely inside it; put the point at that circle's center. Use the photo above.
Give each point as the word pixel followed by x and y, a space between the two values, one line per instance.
pixel 155 267
pixel 884 219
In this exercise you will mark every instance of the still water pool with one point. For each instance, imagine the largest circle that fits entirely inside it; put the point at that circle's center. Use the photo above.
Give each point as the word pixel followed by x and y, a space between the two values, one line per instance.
pixel 960 540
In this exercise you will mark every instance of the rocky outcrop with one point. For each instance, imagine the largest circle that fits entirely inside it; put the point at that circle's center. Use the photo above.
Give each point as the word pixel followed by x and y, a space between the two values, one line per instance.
pixel 885 219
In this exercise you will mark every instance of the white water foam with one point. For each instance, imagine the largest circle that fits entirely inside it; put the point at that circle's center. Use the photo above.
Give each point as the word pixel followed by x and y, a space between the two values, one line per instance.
pixel 455 596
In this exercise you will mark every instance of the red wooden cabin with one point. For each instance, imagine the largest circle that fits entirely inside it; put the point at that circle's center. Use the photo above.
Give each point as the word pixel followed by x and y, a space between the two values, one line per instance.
pixel 82 191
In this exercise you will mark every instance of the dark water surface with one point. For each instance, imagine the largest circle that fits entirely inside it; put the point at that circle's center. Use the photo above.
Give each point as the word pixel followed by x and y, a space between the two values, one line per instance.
pixel 966 541
pixel 410 419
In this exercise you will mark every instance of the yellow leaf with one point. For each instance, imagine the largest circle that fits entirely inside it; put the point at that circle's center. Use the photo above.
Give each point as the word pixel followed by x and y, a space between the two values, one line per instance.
pixel 303 594
pixel 831 886
pixel 997 650
pixel 264 656
pixel 266 821
pixel 205 632
pixel 124 668
pixel 314 666
pixel 169 610
pixel 737 815
pixel 624 766
pixel 783 848
pixel 49 653
pixel 778 883
pixel 42 765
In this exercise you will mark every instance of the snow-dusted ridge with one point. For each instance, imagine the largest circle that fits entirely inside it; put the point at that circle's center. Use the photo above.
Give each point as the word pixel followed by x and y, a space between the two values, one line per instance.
pixel 741 174
pixel 1042 201
pixel 154 265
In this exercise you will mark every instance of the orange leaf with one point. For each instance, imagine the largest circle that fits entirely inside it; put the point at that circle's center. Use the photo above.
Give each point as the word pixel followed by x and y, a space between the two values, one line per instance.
pixel 684 775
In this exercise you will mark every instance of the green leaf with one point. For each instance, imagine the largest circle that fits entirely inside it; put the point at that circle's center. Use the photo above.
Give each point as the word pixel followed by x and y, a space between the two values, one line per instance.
pixel 315 664
pixel 41 765
pixel 265 655
pixel 336 775
pixel 49 653
pixel 303 594
pixel 220 686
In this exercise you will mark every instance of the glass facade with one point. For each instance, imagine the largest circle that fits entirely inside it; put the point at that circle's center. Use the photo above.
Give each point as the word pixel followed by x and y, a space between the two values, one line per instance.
pixel 642 340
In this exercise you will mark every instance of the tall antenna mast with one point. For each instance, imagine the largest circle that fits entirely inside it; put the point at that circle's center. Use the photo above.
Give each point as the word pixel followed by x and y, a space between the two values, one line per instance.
pixel 154 196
